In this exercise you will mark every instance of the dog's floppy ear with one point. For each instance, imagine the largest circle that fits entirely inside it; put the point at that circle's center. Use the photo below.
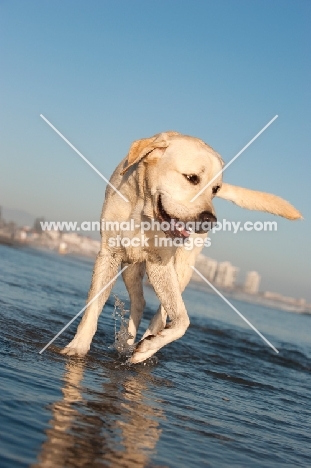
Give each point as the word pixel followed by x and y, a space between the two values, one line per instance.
pixel 253 200
pixel 141 148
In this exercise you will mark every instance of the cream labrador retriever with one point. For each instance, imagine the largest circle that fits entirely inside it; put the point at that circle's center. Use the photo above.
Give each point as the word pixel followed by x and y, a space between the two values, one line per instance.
pixel 159 179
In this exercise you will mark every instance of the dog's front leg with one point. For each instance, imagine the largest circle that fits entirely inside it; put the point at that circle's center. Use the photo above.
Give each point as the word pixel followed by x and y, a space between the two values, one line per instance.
pixel 183 262
pixel 165 283
pixel 105 269
pixel 157 323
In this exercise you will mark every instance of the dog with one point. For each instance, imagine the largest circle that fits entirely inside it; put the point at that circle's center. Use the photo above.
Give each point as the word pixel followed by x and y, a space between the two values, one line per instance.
pixel 158 181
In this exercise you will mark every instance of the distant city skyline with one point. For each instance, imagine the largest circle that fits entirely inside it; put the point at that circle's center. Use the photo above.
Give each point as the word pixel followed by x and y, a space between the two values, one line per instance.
pixel 121 71
pixel 223 275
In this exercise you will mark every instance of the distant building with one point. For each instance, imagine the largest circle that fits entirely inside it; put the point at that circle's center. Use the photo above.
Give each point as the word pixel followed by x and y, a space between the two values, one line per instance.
pixel 212 268
pixel 206 266
pixel 222 274
pixel 37 224
pixel 225 276
pixel 252 282
pixel 301 302
pixel 272 295
pixel 62 248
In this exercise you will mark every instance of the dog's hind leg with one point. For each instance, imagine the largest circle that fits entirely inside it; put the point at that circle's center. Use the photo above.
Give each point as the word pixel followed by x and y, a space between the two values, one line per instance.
pixel 133 279
pixel 105 270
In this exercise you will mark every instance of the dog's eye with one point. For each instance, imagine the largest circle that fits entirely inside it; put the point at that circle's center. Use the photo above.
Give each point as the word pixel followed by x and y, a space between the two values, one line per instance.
pixel 192 178
pixel 215 189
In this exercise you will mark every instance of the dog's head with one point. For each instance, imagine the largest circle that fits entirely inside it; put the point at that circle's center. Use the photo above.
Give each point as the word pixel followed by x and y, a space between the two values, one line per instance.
pixel 178 167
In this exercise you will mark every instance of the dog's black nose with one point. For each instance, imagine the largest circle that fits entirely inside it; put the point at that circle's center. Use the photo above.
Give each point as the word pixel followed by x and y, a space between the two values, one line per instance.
pixel 208 217
pixel 207 220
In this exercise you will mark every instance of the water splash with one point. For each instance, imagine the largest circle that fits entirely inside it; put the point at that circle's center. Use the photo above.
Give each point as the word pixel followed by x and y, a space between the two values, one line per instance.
pixel 122 335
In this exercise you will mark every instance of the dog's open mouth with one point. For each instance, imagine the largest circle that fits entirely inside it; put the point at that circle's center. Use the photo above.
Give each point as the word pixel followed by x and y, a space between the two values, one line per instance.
pixel 172 227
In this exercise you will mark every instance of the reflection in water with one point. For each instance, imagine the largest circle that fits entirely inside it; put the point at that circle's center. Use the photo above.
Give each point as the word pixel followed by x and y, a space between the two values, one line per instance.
pixel 116 426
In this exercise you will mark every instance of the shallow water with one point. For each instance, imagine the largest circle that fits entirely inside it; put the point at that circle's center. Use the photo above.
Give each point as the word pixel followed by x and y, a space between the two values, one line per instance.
pixel 219 397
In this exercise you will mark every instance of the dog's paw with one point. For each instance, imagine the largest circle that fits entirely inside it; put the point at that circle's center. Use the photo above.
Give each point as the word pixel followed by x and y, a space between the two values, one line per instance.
pixel 76 347
pixel 145 349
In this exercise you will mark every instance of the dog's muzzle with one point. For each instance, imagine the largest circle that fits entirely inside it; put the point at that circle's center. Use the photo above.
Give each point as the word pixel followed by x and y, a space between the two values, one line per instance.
pixel 182 228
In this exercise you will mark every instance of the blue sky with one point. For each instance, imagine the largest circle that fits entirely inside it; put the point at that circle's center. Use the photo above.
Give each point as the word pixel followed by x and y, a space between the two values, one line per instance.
pixel 106 73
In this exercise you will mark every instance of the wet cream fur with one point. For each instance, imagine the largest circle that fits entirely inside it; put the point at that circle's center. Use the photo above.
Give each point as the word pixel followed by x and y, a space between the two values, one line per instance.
pixel 156 167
